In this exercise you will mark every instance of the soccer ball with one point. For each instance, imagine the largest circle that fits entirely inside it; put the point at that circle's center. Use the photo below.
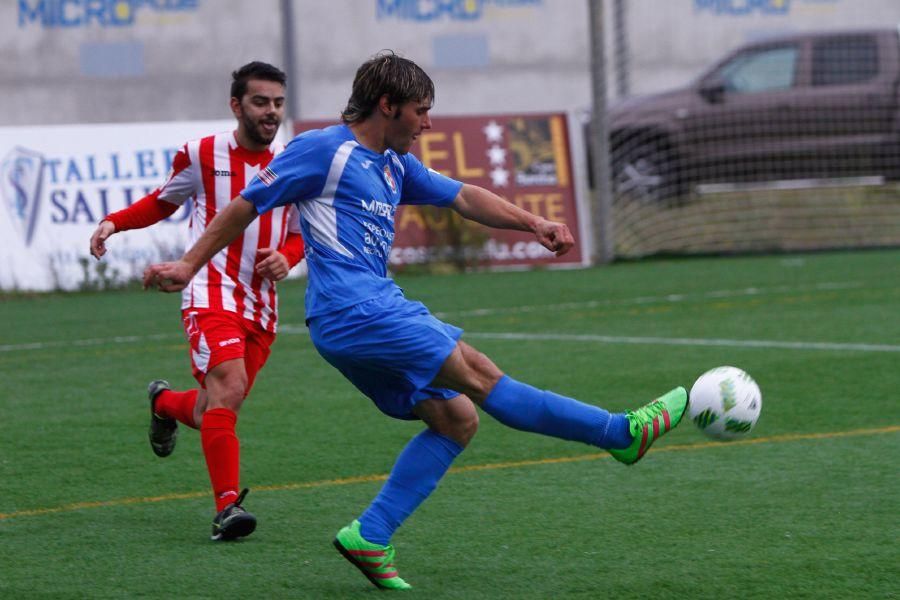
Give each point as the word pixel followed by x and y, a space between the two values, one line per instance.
pixel 725 403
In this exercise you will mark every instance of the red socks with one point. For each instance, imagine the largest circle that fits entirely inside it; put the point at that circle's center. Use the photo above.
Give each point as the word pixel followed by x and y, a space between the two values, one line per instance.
pixel 177 405
pixel 220 443
pixel 222 451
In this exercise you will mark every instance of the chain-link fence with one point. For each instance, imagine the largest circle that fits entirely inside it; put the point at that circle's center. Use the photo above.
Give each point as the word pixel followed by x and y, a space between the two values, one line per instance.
pixel 753 126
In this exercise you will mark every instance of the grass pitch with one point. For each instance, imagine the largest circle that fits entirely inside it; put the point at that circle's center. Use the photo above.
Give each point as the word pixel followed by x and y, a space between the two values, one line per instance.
pixel 805 507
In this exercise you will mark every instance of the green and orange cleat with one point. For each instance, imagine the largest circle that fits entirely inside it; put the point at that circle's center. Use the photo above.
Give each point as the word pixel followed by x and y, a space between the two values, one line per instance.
pixel 650 422
pixel 376 562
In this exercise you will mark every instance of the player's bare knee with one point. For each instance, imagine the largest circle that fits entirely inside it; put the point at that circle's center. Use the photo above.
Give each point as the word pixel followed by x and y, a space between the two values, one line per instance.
pixel 227 392
pixel 461 426
pixel 236 391
pixel 467 427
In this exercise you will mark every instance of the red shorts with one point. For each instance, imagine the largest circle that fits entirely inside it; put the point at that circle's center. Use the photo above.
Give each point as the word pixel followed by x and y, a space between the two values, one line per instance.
pixel 217 335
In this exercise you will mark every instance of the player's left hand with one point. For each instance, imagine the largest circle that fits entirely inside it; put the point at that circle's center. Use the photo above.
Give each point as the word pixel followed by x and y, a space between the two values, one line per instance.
pixel 98 239
pixel 168 276
pixel 555 237
pixel 271 264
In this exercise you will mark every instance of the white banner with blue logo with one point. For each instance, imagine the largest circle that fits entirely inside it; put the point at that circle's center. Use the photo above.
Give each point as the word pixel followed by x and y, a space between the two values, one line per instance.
pixel 58 182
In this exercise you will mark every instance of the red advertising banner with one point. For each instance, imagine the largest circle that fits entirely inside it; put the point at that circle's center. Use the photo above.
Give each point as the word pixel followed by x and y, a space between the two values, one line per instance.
pixel 523 158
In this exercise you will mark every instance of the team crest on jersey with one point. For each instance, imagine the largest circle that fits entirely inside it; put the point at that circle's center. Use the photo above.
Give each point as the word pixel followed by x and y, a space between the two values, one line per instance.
pixel 389 179
pixel 267 176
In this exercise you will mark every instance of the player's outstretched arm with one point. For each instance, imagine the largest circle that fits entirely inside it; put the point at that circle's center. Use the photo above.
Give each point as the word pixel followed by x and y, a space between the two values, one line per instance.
pixel 485 207
pixel 145 212
pixel 221 231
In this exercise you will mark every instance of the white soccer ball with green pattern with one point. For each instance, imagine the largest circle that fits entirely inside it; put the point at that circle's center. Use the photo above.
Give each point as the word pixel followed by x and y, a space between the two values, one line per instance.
pixel 725 403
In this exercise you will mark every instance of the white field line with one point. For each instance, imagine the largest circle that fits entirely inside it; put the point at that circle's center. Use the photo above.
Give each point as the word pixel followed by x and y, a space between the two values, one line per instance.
pixel 603 339
pixel 121 339
pixel 661 341
pixel 640 300
pixel 560 337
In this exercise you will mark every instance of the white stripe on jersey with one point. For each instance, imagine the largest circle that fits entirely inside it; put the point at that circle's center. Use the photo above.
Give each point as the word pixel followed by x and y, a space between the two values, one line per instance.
pixel 222 161
pixel 319 212
pixel 195 295
pixel 248 254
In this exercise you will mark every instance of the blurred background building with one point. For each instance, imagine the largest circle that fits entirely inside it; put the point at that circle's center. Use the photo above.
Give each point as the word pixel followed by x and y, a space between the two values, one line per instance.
pixel 98 94
pixel 98 61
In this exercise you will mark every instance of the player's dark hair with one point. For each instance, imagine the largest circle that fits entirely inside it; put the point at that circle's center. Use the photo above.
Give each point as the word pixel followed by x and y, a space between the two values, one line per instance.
pixel 386 73
pixel 254 70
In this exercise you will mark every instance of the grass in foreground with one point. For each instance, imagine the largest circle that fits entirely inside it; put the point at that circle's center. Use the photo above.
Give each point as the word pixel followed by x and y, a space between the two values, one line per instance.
pixel 806 508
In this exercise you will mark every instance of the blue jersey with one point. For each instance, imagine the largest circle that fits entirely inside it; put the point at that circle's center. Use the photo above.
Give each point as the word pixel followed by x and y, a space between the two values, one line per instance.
pixel 347 196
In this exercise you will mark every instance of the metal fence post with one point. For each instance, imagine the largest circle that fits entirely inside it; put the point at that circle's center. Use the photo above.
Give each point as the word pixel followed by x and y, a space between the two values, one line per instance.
pixel 602 220
pixel 289 58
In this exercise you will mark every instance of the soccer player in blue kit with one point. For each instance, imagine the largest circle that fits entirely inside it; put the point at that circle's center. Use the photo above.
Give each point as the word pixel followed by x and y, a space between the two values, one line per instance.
pixel 347 181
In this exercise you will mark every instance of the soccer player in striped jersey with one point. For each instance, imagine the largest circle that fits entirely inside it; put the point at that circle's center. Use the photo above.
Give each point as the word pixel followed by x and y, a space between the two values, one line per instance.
pixel 347 181
pixel 229 311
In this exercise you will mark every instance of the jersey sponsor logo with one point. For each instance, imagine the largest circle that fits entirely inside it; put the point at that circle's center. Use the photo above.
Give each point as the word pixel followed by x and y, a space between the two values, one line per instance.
pixel 366 164
pixel 389 179
pixel 380 209
pixel 267 176
pixel 221 173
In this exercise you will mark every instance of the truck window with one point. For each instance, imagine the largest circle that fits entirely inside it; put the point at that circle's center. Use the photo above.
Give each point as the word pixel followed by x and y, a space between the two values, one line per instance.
pixel 844 60
pixel 761 70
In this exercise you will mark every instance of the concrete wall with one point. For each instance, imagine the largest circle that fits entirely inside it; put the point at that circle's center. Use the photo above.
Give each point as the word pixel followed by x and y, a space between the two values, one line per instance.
pixel 508 56
pixel 102 61
pixel 89 61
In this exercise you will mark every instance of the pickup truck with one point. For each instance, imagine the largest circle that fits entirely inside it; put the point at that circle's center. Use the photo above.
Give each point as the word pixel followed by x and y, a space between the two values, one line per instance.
pixel 809 105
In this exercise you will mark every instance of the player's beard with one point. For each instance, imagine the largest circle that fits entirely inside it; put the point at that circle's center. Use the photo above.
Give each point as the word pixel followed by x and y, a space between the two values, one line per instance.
pixel 255 133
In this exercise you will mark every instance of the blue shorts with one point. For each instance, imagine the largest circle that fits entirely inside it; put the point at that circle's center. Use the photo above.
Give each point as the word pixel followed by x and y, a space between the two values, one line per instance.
pixel 390 348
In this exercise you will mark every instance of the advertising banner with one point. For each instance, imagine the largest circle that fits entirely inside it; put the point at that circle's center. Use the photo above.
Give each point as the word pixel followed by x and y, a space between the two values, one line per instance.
pixel 58 182
pixel 525 158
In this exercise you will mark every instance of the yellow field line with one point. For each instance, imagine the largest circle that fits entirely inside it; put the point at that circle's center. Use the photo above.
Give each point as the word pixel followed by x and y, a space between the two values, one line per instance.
pixel 790 437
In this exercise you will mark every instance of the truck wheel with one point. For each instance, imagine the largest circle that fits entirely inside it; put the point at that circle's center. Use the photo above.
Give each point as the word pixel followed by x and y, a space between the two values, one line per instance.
pixel 644 173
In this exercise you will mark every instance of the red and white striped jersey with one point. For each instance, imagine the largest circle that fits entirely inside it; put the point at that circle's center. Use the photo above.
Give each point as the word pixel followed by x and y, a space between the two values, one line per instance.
pixel 213 170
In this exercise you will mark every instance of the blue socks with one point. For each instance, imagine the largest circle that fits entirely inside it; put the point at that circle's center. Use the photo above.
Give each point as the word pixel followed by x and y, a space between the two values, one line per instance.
pixel 526 408
pixel 415 475
pixel 426 458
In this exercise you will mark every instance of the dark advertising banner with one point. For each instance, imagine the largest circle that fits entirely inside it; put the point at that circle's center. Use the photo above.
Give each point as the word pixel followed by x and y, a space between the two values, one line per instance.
pixel 524 158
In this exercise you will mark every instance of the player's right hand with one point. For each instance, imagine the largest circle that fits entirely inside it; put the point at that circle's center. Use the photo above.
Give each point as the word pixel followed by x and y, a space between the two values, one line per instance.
pixel 555 237
pixel 168 276
pixel 98 239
